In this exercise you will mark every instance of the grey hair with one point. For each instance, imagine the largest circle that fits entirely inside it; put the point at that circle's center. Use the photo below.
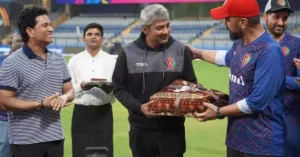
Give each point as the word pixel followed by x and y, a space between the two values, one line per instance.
pixel 153 13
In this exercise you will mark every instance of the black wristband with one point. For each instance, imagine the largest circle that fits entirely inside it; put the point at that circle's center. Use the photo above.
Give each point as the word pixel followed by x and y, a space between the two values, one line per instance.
pixel 42 104
pixel 219 115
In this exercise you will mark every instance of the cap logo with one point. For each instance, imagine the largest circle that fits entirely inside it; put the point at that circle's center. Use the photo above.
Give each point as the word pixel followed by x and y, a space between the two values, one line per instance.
pixel 281 2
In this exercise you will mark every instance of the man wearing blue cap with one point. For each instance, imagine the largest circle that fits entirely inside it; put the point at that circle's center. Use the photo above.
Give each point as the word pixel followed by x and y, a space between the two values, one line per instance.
pixel 256 119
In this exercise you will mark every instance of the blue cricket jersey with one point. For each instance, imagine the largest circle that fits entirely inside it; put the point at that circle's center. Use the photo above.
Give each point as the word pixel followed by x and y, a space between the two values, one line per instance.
pixel 291 49
pixel 257 74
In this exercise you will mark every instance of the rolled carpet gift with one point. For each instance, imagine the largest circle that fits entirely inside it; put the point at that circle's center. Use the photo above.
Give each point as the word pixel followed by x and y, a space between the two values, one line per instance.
pixel 183 98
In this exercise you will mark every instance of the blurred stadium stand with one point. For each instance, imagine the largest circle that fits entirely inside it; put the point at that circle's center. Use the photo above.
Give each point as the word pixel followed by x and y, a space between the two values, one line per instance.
pixel 67 35
pixel 182 30
pixel 190 23
pixel 205 34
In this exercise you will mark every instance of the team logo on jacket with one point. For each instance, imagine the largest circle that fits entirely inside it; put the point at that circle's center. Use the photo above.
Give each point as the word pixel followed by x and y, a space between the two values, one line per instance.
pixel 281 2
pixel 170 63
pixel 286 51
pixel 246 59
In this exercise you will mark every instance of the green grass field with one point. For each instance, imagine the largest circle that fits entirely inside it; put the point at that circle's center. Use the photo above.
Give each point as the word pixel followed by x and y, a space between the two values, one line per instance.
pixel 202 139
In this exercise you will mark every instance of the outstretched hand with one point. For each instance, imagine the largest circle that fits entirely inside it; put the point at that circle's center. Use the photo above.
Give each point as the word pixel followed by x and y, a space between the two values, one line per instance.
pixel 209 114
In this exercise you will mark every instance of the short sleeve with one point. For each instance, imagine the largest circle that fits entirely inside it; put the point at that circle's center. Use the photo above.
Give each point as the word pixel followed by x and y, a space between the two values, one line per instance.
pixel 9 75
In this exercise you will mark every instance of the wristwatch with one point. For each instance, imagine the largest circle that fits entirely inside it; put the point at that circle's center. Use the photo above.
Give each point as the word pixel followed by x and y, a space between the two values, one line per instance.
pixel 219 115
pixel 38 105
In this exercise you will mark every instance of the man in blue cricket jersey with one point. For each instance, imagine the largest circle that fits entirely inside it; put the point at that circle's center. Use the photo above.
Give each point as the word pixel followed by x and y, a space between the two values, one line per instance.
pixel 276 18
pixel 15 43
pixel 256 119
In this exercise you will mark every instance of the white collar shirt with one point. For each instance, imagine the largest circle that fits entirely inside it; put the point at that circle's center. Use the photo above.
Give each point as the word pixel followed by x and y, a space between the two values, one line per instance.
pixel 84 67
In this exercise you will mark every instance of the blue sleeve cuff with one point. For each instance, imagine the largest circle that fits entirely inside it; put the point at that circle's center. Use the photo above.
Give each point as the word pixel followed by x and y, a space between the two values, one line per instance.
pixel 67 80
pixel 243 106
pixel 12 89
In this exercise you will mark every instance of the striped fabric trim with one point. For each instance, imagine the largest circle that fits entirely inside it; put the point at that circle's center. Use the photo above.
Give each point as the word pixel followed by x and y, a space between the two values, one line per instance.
pixel 67 80
pixel 8 88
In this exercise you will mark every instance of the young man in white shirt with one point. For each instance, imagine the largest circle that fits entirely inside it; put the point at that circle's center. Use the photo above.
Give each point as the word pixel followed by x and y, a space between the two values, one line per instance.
pixel 92 122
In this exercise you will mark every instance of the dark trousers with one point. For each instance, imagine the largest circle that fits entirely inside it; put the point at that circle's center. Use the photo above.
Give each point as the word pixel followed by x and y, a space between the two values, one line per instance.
pixel 157 143
pixel 293 140
pixel 46 149
pixel 92 126
pixel 234 153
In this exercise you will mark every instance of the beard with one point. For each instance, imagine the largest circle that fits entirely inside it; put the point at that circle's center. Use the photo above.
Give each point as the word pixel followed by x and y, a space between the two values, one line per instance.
pixel 235 35
pixel 277 30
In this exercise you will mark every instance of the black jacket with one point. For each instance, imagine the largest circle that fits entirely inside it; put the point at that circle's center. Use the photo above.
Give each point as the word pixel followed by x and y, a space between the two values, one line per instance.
pixel 141 71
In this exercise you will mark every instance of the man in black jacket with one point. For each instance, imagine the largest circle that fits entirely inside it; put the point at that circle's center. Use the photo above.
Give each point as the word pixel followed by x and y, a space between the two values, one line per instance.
pixel 145 66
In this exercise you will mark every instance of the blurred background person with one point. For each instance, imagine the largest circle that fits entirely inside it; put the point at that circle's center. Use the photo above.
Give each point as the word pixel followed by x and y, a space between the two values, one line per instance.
pixel 15 43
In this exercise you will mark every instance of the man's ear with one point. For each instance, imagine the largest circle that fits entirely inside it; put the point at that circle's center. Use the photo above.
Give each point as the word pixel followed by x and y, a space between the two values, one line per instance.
pixel 29 31
pixel 83 39
pixel 145 29
pixel 243 23
pixel 265 16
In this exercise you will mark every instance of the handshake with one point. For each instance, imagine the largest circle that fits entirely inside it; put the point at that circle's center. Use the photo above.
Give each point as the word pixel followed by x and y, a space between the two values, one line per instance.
pixel 54 102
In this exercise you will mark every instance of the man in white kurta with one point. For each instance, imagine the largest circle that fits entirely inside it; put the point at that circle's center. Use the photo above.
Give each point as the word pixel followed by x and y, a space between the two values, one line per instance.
pixel 92 121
